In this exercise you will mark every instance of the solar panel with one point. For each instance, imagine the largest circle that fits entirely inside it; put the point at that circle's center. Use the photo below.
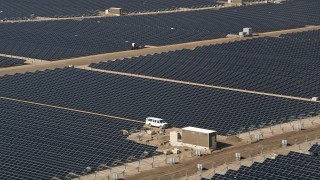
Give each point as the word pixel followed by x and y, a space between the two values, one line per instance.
pixel 136 98
pixel 315 149
pixel 285 66
pixel 22 9
pixel 293 166
pixel 39 142
pixel 42 40
pixel 7 62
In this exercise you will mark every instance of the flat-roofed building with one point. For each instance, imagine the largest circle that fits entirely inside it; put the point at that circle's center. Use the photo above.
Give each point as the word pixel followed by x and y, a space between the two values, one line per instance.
pixel 197 137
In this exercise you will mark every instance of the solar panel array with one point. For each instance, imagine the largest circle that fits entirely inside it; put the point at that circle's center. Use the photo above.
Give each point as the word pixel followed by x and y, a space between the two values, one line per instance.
pixel 293 166
pixel 6 61
pixel 262 18
pixel 24 9
pixel 315 149
pixel 39 142
pixel 276 65
pixel 137 98
pixel 53 40
pixel 42 40
pixel 307 36
pixel 141 6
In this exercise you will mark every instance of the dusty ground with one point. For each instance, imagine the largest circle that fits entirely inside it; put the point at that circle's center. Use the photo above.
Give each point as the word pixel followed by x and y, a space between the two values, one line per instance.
pixel 162 140
pixel 156 139
pixel 221 160
pixel 268 145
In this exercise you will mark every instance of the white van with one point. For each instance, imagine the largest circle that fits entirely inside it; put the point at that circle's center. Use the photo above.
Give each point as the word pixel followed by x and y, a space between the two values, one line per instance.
pixel 156 122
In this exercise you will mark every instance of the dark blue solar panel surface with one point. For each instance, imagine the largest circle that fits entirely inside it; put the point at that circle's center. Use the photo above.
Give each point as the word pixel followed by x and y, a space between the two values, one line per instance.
pixel 42 40
pixel 6 61
pixel 266 17
pixel 61 39
pixel 39 142
pixel 315 149
pixel 136 98
pixel 20 9
pixel 307 36
pixel 276 65
pixel 294 166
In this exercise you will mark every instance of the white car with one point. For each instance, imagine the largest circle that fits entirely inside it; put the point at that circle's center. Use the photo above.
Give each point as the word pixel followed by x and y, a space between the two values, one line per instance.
pixel 156 122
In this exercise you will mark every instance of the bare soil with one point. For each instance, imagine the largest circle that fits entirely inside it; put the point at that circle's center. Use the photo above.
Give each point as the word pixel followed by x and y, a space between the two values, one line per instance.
pixel 247 150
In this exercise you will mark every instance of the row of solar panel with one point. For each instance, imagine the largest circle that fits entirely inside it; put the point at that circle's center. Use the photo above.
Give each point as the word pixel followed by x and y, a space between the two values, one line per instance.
pixel 39 142
pixel 42 40
pixel 62 39
pixel 293 166
pixel 6 61
pixel 266 17
pixel 22 9
pixel 137 98
pixel 276 65
pixel 315 149
pixel 307 36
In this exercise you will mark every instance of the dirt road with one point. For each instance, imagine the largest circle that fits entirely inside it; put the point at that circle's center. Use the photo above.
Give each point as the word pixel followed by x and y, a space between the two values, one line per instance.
pixel 266 146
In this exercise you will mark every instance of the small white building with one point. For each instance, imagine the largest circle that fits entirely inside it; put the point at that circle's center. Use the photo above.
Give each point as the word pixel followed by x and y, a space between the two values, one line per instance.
pixel 235 1
pixel 114 11
pixel 194 137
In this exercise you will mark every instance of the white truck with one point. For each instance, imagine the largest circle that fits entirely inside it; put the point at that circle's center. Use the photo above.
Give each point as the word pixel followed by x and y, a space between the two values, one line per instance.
pixel 156 122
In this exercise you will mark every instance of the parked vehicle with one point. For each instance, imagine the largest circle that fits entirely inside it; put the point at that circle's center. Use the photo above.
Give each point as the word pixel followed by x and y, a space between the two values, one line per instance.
pixel 156 122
